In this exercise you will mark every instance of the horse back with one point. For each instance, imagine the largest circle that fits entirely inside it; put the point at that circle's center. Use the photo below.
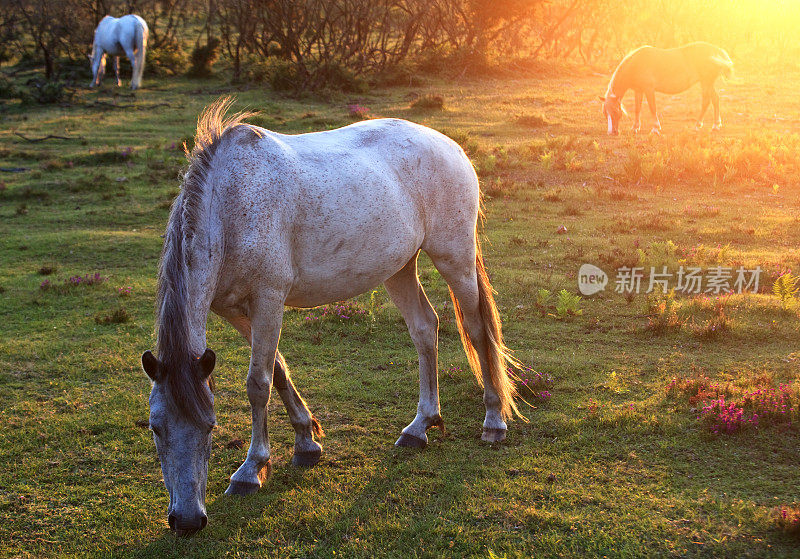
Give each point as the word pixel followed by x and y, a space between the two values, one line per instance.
pixel 654 69
pixel 670 70
pixel 359 158
pixel 113 34
pixel 707 60
pixel 314 204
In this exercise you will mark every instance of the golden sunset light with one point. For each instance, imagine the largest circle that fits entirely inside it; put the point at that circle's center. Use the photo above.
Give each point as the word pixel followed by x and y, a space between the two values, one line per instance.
pixel 399 278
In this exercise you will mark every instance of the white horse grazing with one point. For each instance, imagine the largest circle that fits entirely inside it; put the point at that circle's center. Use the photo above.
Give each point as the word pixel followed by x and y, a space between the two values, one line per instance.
pixel 265 220
pixel 116 37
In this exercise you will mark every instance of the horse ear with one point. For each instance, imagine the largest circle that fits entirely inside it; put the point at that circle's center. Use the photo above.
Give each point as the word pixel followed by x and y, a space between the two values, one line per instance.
pixel 207 362
pixel 151 366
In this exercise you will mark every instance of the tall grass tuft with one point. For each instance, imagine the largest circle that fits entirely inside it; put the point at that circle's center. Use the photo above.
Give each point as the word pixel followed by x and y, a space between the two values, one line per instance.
pixel 786 288
pixel 663 314
pixel 428 102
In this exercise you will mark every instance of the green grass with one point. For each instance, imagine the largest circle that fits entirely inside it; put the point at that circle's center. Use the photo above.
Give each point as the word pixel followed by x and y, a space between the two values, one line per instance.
pixel 609 466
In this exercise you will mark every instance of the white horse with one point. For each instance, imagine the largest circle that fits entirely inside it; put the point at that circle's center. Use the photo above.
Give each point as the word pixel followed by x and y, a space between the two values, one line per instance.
pixel 265 220
pixel 124 36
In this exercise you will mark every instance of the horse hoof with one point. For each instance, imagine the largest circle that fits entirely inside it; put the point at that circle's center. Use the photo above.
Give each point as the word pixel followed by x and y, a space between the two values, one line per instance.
pixel 241 488
pixel 306 458
pixel 410 441
pixel 493 435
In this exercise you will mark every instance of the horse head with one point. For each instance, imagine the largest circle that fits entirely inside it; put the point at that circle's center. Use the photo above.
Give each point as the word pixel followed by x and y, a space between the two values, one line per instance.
pixel 183 440
pixel 613 111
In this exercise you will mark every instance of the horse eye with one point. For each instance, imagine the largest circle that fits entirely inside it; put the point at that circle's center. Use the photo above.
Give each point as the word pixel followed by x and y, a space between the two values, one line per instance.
pixel 156 430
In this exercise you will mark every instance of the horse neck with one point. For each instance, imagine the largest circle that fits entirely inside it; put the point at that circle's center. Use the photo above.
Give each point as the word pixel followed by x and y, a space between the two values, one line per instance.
pixel 620 82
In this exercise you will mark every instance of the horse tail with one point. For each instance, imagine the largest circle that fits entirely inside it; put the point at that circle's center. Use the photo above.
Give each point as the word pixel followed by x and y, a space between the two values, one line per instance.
pixel 498 355
pixel 140 37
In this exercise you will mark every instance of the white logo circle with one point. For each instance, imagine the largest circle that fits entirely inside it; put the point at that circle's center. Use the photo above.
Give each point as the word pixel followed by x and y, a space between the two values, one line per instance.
pixel 591 279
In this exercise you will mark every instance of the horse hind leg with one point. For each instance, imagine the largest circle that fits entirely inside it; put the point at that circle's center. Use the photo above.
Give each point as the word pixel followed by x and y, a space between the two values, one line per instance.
pixel 423 325
pixel 116 70
pixel 481 334
pixel 307 451
pixel 131 54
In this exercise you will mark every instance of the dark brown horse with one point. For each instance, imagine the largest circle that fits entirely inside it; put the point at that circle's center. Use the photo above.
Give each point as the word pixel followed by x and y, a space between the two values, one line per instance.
pixel 648 70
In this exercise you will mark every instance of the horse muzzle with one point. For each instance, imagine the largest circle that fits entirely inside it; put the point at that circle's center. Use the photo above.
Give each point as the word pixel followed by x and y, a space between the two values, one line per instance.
pixel 183 526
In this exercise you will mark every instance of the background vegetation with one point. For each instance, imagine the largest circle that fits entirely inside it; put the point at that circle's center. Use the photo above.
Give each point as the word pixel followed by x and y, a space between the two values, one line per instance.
pixel 345 43
pixel 663 424
pixel 641 442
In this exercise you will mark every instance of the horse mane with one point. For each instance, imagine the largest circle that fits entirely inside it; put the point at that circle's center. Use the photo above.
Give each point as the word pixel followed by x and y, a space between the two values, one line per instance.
pixel 179 361
pixel 212 124
pixel 620 67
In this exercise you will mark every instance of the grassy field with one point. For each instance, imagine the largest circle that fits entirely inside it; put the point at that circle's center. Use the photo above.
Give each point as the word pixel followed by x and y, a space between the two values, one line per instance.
pixel 616 462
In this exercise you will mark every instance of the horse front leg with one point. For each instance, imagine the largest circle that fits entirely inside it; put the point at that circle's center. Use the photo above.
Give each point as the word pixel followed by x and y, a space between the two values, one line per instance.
pixel 717 116
pixel 266 329
pixel 307 451
pixel 637 123
pixel 704 107
pixel 651 102
pixel 423 325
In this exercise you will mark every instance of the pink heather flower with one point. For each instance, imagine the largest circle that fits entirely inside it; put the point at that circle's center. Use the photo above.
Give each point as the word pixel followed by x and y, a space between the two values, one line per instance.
pixel 88 279
pixel 357 111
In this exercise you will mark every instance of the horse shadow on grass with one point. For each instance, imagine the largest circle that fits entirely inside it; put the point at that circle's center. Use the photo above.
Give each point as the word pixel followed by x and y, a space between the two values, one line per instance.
pixel 389 490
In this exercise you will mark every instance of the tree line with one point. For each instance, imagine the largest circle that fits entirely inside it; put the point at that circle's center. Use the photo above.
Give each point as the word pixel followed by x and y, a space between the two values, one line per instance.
pixel 309 44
